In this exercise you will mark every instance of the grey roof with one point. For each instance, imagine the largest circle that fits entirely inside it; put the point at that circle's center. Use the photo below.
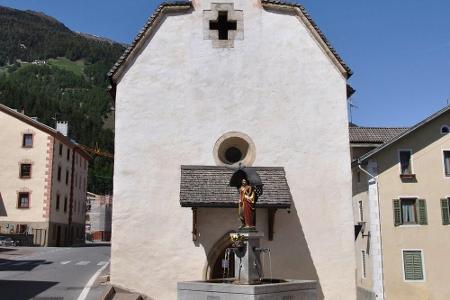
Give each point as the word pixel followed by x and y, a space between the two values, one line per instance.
pixel 405 133
pixel 187 6
pixel 374 135
pixel 208 186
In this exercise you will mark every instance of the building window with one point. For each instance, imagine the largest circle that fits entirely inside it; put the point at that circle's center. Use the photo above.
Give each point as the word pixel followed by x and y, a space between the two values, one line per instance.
pixel 405 162
pixel 60 149
pixel 68 153
pixel 21 228
pixel 59 173
pixel 447 163
pixel 54 231
pixel 363 264
pixel 445 207
pixel 25 170
pixel 413 265
pixel 445 129
pixel 234 148
pixel 65 204
pixel 361 211
pixel 27 140
pixel 24 200
pixel 408 211
pixel 67 176
pixel 57 202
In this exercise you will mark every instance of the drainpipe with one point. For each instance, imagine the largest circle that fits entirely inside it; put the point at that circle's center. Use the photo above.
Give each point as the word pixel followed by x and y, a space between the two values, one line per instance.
pixel 375 179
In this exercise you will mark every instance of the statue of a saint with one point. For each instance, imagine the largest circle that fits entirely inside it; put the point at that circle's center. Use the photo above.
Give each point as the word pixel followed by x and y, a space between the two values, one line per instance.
pixel 247 205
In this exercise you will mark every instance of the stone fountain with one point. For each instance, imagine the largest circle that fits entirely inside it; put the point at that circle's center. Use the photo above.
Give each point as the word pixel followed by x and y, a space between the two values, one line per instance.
pixel 249 281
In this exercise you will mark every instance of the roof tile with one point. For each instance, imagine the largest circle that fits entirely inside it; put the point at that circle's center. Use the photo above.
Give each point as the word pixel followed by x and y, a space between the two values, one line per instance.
pixel 376 135
pixel 208 186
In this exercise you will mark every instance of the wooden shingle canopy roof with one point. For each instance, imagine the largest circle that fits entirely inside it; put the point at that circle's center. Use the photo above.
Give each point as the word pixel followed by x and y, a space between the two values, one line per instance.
pixel 186 6
pixel 374 135
pixel 209 186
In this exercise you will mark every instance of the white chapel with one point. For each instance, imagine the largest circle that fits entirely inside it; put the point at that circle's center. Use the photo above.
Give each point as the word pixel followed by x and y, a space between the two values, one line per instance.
pixel 212 86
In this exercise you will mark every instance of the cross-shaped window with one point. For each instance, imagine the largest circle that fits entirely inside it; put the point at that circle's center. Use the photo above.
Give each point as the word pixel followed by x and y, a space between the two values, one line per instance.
pixel 223 25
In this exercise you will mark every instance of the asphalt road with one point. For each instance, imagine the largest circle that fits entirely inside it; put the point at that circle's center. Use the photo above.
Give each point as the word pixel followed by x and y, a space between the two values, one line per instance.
pixel 52 273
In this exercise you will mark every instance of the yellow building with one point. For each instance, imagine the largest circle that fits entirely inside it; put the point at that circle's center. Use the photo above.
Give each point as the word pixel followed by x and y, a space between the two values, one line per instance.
pixel 43 181
pixel 401 192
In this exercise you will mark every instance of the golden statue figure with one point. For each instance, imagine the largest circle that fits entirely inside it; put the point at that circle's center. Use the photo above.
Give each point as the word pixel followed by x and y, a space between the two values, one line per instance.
pixel 247 205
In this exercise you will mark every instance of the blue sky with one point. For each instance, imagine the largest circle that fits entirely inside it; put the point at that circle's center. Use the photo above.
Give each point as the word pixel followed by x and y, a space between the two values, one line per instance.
pixel 399 50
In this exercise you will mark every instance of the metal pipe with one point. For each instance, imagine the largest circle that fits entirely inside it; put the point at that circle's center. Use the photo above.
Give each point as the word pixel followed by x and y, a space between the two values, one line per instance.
pixel 375 178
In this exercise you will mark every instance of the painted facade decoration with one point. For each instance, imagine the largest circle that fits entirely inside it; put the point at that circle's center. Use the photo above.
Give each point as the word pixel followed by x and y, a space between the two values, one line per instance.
pixel 42 182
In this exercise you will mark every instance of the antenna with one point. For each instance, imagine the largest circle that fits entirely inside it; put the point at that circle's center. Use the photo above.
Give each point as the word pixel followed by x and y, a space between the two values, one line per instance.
pixel 350 107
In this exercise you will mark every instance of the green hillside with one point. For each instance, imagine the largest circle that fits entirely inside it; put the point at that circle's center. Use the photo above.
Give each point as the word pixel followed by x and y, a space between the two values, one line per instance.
pixel 52 72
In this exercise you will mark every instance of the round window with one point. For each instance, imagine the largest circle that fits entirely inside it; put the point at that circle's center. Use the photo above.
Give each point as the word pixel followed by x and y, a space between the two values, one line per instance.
pixel 234 148
pixel 233 154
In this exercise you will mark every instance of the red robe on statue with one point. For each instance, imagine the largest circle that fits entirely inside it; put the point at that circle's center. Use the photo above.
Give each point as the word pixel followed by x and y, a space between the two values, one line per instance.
pixel 247 206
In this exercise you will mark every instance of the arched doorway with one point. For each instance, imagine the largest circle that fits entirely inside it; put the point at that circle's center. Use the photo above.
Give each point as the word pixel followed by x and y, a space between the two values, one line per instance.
pixel 214 269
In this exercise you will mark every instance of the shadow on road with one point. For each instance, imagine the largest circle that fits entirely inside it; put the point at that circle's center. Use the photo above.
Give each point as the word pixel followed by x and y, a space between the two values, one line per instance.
pixel 99 244
pixel 23 289
pixel 6 249
pixel 20 265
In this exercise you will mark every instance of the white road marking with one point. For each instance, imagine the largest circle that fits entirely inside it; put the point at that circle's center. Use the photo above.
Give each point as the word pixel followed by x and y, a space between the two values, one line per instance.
pixel 102 263
pixel 91 281
pixel 83 263
pixel 65 262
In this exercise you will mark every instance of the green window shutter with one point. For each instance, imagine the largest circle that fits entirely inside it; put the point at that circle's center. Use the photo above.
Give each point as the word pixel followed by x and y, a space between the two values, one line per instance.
pixel 422 205
pixel 412 263
pixel 408 263
pixel 397 212
pixel 445 212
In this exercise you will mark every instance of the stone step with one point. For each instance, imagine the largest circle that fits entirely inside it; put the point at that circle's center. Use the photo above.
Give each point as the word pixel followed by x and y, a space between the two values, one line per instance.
pixel 126 296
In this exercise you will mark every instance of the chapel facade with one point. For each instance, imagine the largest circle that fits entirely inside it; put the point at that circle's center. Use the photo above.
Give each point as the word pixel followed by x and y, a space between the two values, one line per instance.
pixel 209 87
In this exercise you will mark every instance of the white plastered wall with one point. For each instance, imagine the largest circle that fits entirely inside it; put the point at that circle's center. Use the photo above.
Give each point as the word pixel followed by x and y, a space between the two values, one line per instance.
pixel 173 103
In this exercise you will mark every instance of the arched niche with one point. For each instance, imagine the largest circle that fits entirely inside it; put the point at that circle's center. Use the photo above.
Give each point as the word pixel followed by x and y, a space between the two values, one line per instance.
pixel 213 268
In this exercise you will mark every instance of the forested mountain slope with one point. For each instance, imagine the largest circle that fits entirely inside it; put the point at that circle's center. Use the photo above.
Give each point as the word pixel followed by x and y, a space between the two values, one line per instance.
pixel 54 73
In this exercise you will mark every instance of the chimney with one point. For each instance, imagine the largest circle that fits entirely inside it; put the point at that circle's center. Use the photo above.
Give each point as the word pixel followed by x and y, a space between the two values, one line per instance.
pixel 62 127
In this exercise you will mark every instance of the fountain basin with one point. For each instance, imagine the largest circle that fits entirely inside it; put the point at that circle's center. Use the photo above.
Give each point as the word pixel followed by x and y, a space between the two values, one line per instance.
pixel 225 289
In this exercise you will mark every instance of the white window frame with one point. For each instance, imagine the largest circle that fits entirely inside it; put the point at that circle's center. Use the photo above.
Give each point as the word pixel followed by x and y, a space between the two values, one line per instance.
pixel 422 256
pixel 417 214
pixel 443 163
pixel 363 264
pixel 410 161
pixel 442 128
pixel 361 210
